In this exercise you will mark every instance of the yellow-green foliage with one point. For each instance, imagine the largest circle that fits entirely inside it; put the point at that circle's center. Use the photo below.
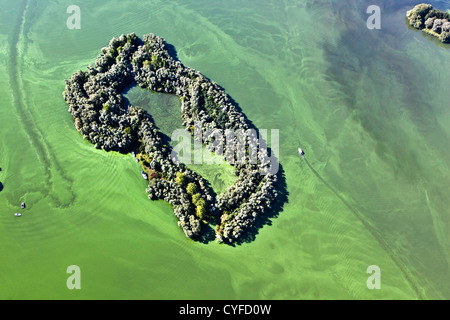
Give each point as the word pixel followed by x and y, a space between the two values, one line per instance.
pixel 191 188
pixel 107 107
pixel 180 178
pixel 200 210
pixel 158 62
pixel 146 63
pixel 195 198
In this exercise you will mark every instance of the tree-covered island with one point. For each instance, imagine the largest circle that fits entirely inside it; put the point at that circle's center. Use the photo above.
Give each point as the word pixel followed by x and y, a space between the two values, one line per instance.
pixel 103 117
pixel 432 21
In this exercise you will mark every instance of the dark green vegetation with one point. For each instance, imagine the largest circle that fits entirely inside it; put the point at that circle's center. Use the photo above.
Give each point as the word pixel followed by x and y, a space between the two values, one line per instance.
pixel 432 21
pixel 103 117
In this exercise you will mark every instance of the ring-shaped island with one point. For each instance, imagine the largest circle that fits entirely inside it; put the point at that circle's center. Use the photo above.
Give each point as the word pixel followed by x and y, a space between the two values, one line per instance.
pixel 103 117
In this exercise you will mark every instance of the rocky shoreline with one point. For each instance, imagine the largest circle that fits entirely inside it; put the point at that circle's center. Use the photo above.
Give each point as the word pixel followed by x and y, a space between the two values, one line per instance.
pixel 102 116
pixel 432 21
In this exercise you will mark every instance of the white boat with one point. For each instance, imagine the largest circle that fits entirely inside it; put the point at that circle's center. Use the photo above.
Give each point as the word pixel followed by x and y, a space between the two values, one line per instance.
pixel 302 153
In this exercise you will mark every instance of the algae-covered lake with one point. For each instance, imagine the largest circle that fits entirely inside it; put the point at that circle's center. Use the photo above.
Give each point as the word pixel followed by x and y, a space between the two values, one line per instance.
pixel 369 107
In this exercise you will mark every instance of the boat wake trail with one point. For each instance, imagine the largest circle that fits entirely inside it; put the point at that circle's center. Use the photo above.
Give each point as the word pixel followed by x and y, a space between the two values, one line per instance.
pixel 374 232
pixel 33 132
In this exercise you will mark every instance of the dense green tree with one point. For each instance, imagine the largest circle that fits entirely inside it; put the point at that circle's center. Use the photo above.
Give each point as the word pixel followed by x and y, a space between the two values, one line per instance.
pixel 195 198
pixel 191 188
pixel 200 209
pixel 180 178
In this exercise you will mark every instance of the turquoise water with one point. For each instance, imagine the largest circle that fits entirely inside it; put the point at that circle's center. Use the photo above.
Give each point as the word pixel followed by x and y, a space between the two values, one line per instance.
pixel 370 108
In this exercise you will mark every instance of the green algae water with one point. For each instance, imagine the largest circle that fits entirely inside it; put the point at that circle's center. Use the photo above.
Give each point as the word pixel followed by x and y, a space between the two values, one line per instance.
pixel 369 107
